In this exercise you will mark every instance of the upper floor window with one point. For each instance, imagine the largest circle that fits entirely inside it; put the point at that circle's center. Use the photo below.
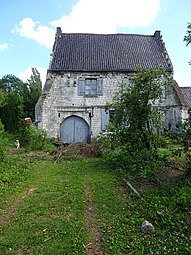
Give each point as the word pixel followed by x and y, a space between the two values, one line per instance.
pixel 90 86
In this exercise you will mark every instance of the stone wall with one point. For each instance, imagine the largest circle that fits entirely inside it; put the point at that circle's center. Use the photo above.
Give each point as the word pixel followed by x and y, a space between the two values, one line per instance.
pixel 60 100
pixel 176 113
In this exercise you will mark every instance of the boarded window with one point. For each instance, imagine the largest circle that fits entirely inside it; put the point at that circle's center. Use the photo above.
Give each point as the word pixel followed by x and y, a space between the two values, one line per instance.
pixel 104 119
pixel 81 86
pixel 100 86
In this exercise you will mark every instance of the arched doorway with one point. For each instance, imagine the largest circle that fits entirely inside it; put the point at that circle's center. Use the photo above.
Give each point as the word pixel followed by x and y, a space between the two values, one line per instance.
pixel 74 130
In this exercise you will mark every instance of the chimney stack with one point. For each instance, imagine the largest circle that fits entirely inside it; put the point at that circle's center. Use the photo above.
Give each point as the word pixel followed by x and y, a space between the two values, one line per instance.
pixel 157 34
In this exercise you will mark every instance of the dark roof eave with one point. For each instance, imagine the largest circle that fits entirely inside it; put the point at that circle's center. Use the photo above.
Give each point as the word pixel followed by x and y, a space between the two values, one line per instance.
pixel 85 70
pixel 169 70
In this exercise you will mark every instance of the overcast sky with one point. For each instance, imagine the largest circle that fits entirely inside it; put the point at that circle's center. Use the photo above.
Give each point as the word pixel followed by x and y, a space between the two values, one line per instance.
pixel 27 29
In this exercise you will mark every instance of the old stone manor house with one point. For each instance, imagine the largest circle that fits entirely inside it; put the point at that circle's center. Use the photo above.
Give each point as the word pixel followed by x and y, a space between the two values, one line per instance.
pixel 84 74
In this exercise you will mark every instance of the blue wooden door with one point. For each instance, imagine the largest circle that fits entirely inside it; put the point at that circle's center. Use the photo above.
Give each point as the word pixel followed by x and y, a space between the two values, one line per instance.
pixel 74 130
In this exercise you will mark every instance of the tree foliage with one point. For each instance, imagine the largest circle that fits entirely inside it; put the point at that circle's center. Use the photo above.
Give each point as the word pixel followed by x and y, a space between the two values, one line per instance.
pixel 18 99
pixel 138 117
pixel 32 93
pixel 3 143
pixel 10 82
pixel 2 97
pixel 11 112
pixel 187 37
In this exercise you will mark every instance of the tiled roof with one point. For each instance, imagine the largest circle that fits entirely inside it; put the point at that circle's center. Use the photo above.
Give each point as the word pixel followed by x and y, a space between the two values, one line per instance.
pixel 180 94
pixel 186 91
pixel 108 52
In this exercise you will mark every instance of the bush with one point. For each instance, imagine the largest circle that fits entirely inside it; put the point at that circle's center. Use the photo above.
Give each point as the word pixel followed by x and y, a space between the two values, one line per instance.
pixel 186 144
pixel 12 169
pixel 135 126
pixel 127 157
pixel 171 137
pixel 3 142
pixel 165 142
pixel 35 138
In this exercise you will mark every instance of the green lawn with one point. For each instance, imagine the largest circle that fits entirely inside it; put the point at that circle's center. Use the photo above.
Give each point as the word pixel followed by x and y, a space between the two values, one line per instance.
pixel 83 207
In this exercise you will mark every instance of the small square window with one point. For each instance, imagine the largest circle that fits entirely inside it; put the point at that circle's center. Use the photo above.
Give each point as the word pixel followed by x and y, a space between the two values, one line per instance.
pixel 90 86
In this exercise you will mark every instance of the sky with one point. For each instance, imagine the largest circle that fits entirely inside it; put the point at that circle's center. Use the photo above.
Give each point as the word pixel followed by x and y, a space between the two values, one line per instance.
pixel 27 29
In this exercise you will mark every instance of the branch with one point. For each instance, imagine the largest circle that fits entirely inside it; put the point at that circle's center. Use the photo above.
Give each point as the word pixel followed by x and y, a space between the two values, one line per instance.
pixel 58 158
pixel 133 189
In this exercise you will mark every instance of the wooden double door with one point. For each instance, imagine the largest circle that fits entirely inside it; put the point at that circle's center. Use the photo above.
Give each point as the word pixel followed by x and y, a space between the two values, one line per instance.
pixel 74 130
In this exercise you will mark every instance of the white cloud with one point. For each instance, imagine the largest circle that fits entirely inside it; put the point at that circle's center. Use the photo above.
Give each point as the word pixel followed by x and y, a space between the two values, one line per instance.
pixel 34 30
pixel 24 75
pixel 93 16
pixel 105 16
pixel 5 46
pixel 183 79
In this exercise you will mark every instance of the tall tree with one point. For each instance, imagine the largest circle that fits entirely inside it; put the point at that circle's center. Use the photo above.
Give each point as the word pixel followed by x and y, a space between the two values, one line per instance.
pixel 11 111
pixel 187 37
pixel 18 99
pixel 33 92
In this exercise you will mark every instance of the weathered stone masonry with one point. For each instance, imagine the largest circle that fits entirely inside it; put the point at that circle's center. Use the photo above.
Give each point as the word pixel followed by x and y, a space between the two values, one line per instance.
pixel 84 73
pixel 60 100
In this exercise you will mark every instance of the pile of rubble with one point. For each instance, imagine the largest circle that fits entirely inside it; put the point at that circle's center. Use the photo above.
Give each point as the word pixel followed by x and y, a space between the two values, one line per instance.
pixel 76 150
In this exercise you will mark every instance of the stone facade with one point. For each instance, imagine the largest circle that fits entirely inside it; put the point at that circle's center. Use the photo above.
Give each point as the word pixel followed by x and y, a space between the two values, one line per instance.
pixel 83 76
pixel 176 110
pixel 60 99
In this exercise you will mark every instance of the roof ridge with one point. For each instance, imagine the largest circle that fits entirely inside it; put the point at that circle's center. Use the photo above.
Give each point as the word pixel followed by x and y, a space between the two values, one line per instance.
pixel 59 32
pixel 97 34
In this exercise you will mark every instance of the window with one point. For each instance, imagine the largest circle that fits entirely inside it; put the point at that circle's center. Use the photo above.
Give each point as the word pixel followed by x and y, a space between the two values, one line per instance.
pixel 90 86
pixel 106 117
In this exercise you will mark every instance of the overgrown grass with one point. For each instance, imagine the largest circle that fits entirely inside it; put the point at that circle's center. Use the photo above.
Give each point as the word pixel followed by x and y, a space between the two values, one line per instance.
pixel 16 174
pixel 51 218
pixel 121 214
pixel 168 207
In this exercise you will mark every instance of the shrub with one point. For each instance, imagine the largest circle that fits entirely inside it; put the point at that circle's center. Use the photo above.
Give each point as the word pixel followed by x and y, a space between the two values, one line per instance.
pixel 136 123
pixel 186 144
pixel 3 142
pixel 36 138
pixel 120 154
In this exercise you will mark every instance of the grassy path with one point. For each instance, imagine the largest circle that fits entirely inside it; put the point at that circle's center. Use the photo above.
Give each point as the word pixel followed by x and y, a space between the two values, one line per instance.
pixel 60 212
pixel 75 207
